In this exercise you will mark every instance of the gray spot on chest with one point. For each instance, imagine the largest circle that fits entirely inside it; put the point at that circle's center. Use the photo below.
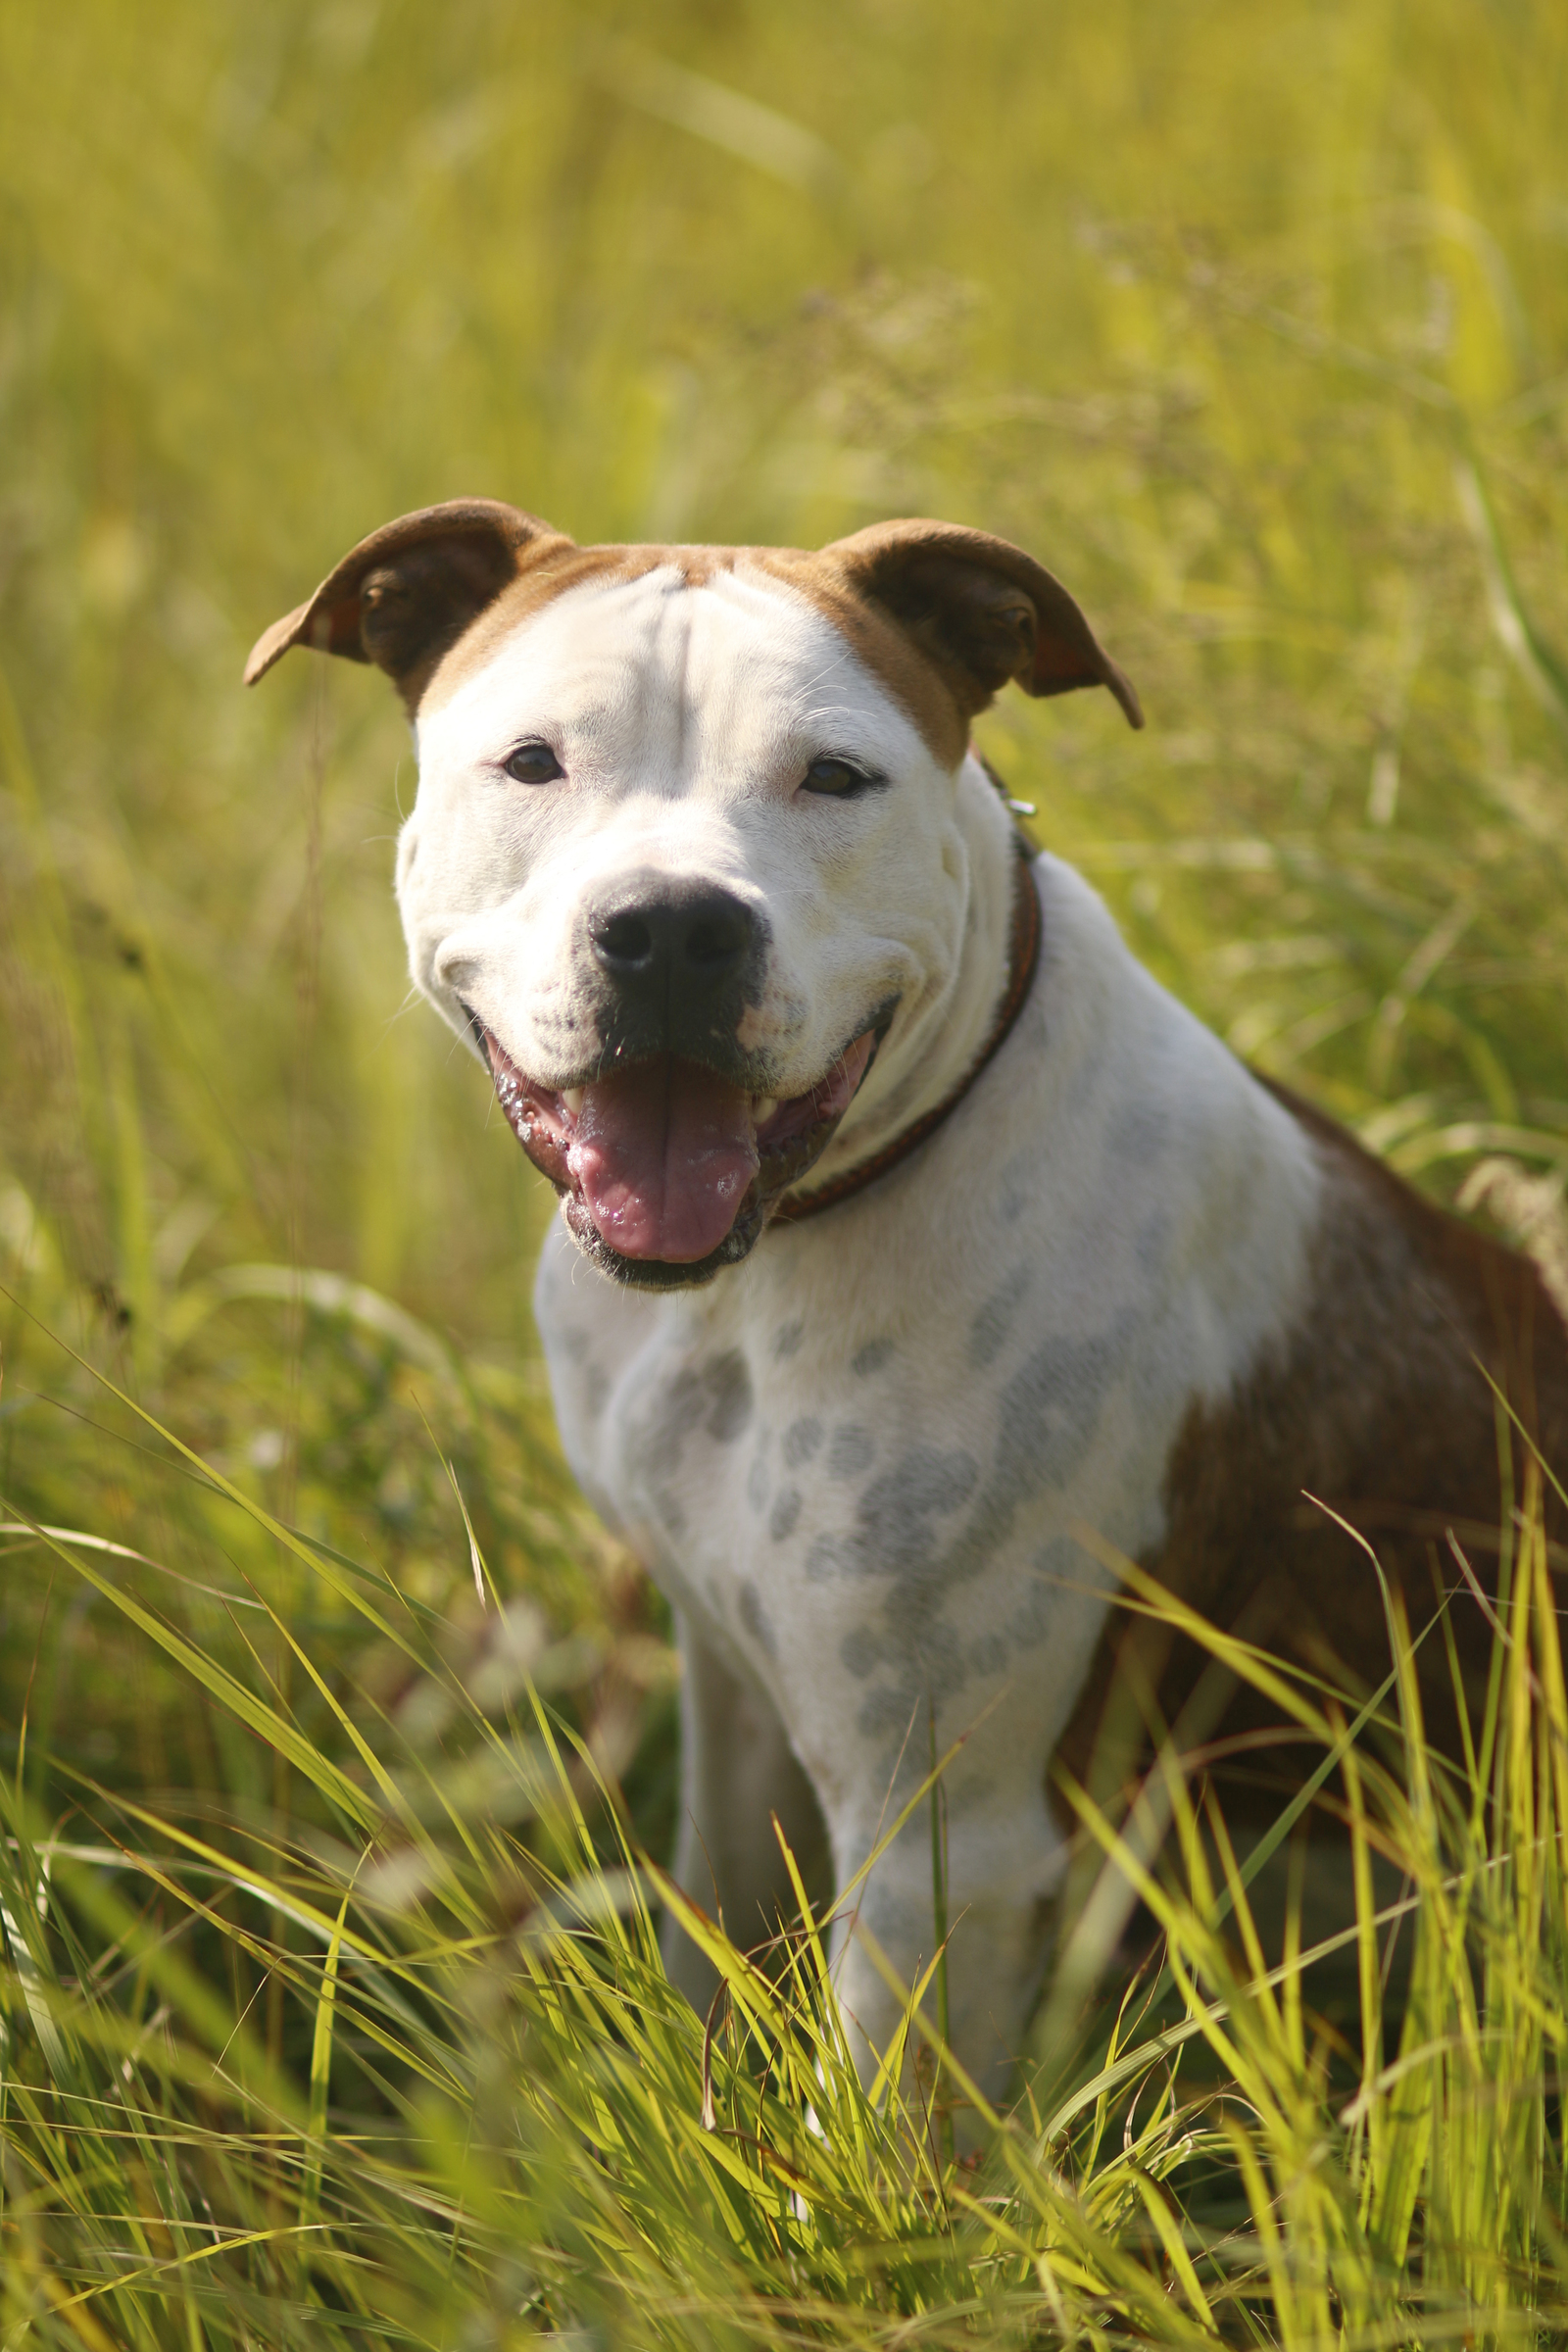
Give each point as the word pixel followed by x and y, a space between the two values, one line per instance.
pixel 915 1650
pixel 714 1398
pixel 895 1532
pixel 987 1333
pixel 896 1520
pixel 662 1431
pixel 801 1441
pixel 1060 1569
pixel 1048 1412
pixel 755 1619
pixel 785 1512
pixel 852 1451
pixel 726 1380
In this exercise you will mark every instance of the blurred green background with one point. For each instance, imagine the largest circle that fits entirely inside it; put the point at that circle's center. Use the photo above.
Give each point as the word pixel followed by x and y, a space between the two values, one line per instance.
pixel 1251 322
pixel 1254 323
pixel 1201 303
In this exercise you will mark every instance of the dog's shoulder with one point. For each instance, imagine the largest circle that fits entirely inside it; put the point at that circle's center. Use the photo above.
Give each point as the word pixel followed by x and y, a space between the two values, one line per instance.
pixel 1421 1301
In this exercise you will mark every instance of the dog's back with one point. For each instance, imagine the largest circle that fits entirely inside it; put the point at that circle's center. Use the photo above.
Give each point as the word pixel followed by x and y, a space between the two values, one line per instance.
pixel 1414 1401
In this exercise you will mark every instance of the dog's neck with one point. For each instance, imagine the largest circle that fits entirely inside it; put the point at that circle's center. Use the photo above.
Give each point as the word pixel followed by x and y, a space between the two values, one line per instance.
pixel 924 1058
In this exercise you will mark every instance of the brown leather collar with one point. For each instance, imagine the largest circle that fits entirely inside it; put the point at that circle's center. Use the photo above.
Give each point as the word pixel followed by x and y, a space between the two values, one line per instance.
pixel 1023 959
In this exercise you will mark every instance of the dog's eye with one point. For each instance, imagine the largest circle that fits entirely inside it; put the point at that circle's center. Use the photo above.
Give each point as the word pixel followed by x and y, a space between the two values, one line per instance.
pixel 841 777
pixel 534 763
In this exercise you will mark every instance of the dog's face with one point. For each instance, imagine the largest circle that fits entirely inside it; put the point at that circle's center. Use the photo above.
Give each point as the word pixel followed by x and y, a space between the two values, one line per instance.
pixel 679 860
pixel 685 856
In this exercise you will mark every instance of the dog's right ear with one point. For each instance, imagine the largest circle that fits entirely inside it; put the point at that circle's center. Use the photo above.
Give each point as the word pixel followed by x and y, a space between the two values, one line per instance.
pixel 405 595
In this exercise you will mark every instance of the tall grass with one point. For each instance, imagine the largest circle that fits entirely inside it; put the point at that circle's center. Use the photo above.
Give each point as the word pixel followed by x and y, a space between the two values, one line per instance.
pixel 490 2120
pixel 335 1735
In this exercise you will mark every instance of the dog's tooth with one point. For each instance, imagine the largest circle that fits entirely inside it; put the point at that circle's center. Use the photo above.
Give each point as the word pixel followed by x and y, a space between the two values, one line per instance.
pixel 571 1096
pixel 763 1108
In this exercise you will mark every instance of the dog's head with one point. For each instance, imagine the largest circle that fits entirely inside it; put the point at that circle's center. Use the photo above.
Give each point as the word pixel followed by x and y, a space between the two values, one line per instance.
pixel 688 846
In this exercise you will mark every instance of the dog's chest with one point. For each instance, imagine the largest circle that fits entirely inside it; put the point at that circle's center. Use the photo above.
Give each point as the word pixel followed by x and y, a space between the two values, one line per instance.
pixel 858 1462
pixel 861 1482
pixel 864 1520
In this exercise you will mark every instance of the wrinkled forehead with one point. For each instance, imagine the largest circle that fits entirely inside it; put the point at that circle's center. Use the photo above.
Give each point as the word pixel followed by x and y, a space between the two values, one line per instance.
pixel 738 659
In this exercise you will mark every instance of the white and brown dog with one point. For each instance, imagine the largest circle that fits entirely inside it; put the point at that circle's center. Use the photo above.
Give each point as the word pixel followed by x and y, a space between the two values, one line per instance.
pixel 705 868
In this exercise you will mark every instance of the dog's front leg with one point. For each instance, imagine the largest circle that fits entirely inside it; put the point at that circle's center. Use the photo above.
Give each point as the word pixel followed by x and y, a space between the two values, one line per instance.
pixel 738 1769
pixel 993 1895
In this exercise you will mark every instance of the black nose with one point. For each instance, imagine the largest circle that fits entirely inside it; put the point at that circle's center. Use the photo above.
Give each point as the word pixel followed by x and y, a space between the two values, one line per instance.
pixel 681 962
pixel 705 936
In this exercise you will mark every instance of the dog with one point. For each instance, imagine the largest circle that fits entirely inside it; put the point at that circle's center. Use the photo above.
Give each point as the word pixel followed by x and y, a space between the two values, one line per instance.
pixel 924 1232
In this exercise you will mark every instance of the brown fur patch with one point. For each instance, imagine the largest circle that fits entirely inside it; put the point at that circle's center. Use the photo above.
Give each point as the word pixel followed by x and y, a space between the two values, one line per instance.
pixel 890 655
pixel 1375 1405
pixel 452 559
pixel 941 616
pixel 539 583
pixel 981 609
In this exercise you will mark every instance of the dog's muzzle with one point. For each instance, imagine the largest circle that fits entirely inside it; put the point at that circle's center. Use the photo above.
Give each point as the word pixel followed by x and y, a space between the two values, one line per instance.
pixel 678 968
pixel 671 1148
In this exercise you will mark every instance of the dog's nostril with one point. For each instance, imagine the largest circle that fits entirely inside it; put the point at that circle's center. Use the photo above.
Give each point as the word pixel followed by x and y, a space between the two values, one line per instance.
pixel 702 936
pixel 625 939
pixel 718 939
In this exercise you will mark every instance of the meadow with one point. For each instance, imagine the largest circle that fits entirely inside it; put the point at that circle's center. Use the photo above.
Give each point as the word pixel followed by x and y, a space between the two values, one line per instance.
pixel 336 1742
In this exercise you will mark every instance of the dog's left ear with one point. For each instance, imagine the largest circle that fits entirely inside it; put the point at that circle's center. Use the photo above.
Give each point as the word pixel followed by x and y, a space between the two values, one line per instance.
pixel 982 611
pixel 405 595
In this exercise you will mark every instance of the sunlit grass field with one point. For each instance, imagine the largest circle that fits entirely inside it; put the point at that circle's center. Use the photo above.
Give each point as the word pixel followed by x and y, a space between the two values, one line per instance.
pixel 336 1743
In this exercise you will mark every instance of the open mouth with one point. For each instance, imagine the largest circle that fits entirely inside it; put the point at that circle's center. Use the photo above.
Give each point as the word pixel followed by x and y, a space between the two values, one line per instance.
pixel 667 1170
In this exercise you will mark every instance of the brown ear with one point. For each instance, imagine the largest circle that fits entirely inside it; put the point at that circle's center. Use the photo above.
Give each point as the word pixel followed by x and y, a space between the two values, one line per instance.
pixel 982 611
pixel 407 593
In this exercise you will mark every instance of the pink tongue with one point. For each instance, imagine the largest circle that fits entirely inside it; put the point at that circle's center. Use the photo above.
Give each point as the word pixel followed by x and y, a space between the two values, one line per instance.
pixel 664 1153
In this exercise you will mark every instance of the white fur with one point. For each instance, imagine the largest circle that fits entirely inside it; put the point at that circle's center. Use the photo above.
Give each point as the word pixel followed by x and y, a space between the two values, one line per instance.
pixel 854 1460
pixel 685 720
